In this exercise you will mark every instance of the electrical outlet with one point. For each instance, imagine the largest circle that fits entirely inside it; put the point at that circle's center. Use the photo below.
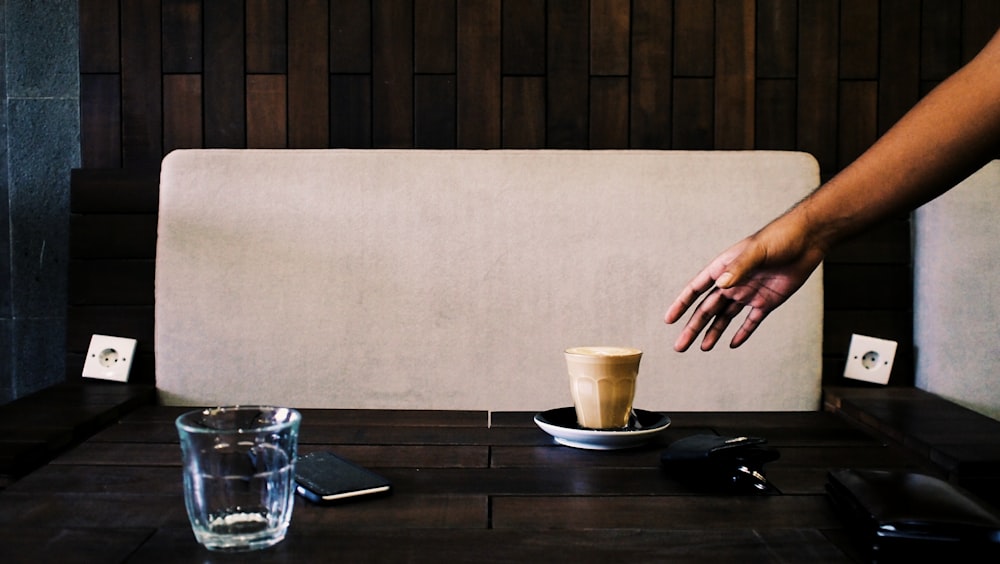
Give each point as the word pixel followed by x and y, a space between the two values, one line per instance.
pixel 109 358
pixel 870 359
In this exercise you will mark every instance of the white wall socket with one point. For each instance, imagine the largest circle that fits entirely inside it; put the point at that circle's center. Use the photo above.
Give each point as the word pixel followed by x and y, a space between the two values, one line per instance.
pixel 870 359
pixel 109 358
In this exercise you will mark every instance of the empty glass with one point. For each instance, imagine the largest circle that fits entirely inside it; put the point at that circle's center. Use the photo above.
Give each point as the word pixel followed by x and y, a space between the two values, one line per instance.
pixel 239 474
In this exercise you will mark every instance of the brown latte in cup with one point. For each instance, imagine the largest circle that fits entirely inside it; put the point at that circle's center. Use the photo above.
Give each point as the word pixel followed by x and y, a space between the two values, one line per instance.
pixel 602 383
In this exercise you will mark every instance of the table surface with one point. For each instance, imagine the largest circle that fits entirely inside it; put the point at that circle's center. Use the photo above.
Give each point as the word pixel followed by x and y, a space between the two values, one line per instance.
pixel 468 486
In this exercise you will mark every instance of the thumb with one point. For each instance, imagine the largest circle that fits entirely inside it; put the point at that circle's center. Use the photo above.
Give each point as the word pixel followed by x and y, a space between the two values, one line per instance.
pixel 748 258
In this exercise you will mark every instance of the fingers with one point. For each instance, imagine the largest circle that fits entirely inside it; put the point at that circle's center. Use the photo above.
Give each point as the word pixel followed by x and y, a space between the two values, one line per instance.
pixel 750 324
pixel 696 287
pixel 715 311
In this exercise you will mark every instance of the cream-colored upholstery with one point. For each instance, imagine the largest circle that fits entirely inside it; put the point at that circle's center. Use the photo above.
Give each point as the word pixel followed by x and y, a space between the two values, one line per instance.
pixel 455 279
pixel 957 293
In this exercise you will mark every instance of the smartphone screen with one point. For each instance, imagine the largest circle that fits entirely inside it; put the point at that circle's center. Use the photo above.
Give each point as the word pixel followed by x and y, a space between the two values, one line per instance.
pixel 324 477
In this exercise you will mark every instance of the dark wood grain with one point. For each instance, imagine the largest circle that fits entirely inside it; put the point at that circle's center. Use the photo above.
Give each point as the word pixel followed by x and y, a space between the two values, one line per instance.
pixel 478 74
pixel 466 487
pixel 100 120
pixel 651 87
pixel 777 37
pixel 523 112
pixel 224 81
pixel 899 62
pixel 608 112
pixel 694 118
pixel 858 119
pixel 351 36
pixel 775 113
pixel 567 112
pixel 309 75
pixel 182 36
pixel 434 116
pixel 523 23
pixel 609 37
pixel 100 36
pixel 735 71
pixel 141 82
pixel 859 33
pixel 392 74
pixel 434 30
pixel 694 38
pixel 816 122
pixel 267 111
pixel 350 111
pixel 182 112
pixel 940 39
pixel 266 36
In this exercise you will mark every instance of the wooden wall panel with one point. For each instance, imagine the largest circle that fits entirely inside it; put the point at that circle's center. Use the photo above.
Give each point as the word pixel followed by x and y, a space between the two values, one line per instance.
pixel 309 74
pixel 182 38
pixel 478 68
pixel 823 76
pixel 224 81
pixel 523 23
pixel 567 126
pixel 141 80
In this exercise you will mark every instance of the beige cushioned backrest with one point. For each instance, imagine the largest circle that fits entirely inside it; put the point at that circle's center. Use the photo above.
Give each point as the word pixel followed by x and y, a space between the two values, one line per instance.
pixel 957 293
pixel 455 279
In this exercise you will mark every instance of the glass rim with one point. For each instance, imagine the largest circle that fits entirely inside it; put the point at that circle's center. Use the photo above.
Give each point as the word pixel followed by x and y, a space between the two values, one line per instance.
pixel 293 418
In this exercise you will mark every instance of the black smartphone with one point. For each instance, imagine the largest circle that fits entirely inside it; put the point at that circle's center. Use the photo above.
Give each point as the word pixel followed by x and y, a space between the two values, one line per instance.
pixel 323 477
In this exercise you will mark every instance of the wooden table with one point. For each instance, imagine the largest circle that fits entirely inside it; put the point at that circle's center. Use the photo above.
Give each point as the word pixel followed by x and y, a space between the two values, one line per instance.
pixel 469 486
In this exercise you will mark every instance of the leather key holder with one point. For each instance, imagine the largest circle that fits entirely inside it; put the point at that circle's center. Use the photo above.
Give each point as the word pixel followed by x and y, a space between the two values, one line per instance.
pixel 731 464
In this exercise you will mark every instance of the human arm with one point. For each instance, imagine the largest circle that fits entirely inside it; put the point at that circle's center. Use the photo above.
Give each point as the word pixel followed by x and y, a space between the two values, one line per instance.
pixel 948 135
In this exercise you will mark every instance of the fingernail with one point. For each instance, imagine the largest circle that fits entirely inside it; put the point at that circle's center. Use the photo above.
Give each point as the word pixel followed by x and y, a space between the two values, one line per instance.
pixel 723 280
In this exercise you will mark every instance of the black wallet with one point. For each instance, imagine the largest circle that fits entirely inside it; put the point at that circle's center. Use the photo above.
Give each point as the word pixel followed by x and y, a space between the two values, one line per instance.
pixel 733 464
pixel 897 516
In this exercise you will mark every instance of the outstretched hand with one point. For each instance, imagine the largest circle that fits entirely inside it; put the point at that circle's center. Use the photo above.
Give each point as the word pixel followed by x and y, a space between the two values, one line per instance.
pixel 759 272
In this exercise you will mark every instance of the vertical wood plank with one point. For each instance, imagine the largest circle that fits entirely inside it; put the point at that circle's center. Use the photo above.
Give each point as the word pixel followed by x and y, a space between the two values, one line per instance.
pixel 940 39
pixel 350 36
pixel 523 112
pixel 434 119
pixel 735 72
pixel 392 73
pixel 775 120
pixel 523 37
pixel 609 37
pixel 609 112
pixel 350 111
pixel 267 116
pixel 694 38
pixel 224 81
pixel 182 36
pixel 649 126
pixel 694 114
pixel 100 121
pixel 99 36
pixel 858 126
pixel 899 61
pixel 266 43
pixel 568 74
pixel 777 23
pixel 816 122
pixel 858 39
pixel 434 36
pixel 182 124
pixel 980 20
pixel 308 74
pixel 142 101
pixel 479 74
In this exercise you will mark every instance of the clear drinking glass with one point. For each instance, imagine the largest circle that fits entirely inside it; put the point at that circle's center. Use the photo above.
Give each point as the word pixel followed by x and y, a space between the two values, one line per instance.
pixel 239 474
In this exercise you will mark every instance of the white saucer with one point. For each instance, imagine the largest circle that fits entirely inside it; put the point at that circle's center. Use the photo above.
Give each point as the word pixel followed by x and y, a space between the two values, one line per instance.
pixel 561 424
